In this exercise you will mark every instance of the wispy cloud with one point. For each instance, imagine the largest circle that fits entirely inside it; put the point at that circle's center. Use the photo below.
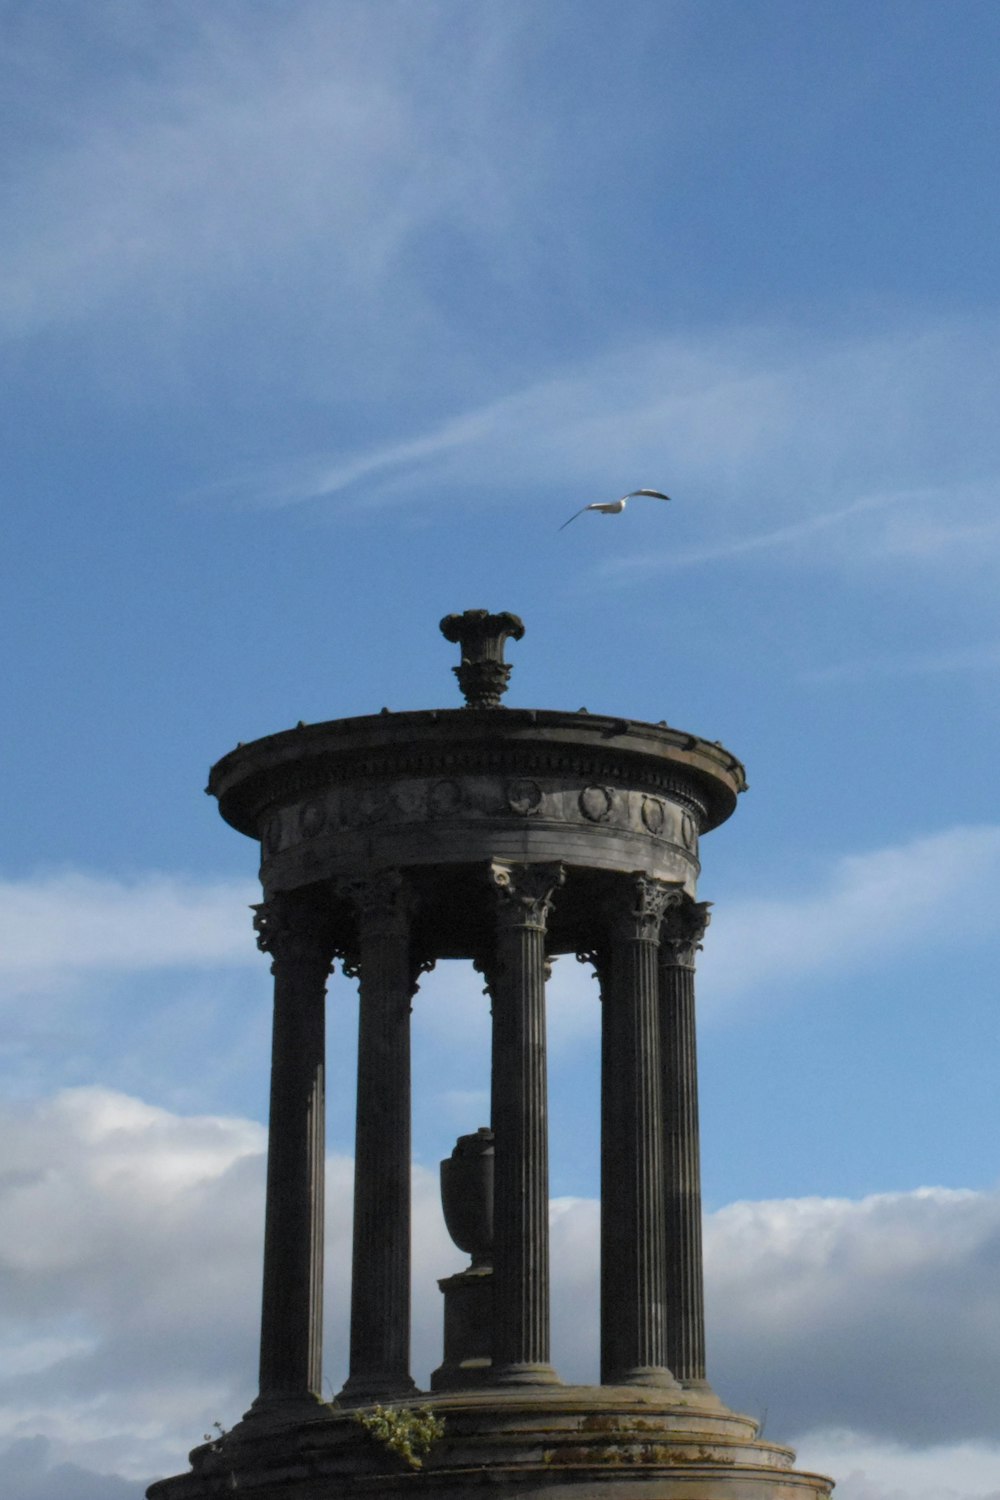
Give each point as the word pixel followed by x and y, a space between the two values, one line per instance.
pixel 768 541
pixel 769 441
pixel 869 907
pixel 294 158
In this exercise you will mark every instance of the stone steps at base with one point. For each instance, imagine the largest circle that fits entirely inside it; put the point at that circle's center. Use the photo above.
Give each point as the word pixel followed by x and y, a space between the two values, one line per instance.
pixel 563 1443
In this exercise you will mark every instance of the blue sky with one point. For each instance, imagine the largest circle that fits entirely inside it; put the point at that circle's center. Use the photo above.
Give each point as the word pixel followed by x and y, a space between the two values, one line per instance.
pixel 316 321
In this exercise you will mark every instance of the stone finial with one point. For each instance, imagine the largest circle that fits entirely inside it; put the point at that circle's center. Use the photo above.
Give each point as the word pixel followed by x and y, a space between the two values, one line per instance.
pixel 482 673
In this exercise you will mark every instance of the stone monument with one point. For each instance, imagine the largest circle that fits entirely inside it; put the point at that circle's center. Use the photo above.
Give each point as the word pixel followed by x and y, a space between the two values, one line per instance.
pixel 506 836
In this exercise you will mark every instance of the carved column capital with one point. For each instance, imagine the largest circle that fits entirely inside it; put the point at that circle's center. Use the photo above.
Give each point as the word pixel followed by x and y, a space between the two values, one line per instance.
pixel 597 958
pixel 682 931
pixel 485 965
pixel 293 931
pixel 384 901
pixel 524 892
pixel 638 909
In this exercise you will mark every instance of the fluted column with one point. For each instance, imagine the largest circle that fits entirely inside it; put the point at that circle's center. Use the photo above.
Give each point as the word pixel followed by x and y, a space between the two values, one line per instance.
pixel 291 930
pixel 680 939
pixel 520 1124
pixel 380 1281
pixel 633 1271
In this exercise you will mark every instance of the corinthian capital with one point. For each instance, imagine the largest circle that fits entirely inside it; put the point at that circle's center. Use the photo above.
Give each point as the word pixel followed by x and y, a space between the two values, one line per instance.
pixel 639 908
pixel 682 932
pixel 524 892
pixel 292 931
pixel 385 902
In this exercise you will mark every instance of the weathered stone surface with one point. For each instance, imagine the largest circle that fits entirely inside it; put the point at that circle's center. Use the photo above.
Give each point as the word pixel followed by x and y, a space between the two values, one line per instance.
pixel 524 896
pixel 293 931
pixel 504 836
pixel 633 1243
pixel 552 1443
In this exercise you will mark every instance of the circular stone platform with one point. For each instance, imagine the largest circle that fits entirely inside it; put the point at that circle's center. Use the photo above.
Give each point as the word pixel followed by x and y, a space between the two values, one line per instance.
pixel 557 1443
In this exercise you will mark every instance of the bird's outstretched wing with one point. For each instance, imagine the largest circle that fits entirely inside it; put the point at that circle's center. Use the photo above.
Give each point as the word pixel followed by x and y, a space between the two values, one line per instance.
pixel 614 507
pixel 574 516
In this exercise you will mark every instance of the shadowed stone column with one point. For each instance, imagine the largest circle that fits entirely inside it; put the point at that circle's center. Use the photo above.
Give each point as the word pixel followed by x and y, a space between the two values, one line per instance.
pixel 633 1270
pixel 520 1124
pixel 680 938
pixel 380 1281
pixel 291 930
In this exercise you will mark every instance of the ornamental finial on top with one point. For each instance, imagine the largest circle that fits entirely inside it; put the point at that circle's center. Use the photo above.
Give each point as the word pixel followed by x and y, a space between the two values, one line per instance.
pixel 482 673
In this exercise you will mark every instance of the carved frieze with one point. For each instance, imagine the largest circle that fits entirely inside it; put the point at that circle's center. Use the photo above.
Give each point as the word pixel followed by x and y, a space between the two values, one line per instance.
pixel 312 819
pixel 314 827
pixel 653 815
pixel 524 797
pixel 444 798
pixel 596 803
pixel 350 807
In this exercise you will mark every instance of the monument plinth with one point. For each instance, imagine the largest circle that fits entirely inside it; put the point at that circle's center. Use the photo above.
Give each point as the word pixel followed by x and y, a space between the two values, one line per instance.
pixel 506 836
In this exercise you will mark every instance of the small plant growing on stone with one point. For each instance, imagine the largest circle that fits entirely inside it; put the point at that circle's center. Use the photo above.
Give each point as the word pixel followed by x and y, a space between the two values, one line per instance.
pixel 405 1432
pixel 218 1437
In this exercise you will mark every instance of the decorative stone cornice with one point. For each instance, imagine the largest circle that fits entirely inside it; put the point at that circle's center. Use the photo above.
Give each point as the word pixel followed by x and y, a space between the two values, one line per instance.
pixel 682 932
pixel 287 771
pixel 525 892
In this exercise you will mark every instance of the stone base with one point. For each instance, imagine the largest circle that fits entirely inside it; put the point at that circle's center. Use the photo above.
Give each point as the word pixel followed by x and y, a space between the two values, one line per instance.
pixel 554 1443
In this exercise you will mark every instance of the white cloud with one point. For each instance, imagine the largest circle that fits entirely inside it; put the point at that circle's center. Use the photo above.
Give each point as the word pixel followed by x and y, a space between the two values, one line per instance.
pixel 51 924
pixel 870 906
pixel 869 1470
pixel 130 1245
pixel 881 1316
pixel 129 1302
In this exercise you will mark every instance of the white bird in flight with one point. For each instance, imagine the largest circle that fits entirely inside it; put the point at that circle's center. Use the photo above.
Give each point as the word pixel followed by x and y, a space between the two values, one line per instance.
pixel 614 507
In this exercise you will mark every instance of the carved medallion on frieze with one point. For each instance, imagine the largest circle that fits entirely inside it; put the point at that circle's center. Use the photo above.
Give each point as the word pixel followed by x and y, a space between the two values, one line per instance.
pixel 367 805
pixel 312 819
pixel 272 835
pixel 523 797
pixel 653 815
pixel 596 803
pixel 689 831
pixel 444 797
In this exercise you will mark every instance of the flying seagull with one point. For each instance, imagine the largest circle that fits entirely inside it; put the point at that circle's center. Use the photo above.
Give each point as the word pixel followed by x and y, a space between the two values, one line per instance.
pixel 614 507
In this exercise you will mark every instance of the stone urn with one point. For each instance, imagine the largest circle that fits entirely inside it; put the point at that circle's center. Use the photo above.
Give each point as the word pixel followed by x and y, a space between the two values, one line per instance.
pixel 467 1195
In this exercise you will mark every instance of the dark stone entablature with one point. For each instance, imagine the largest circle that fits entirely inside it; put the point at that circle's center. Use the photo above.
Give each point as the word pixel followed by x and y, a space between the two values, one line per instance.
pixel 326 797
